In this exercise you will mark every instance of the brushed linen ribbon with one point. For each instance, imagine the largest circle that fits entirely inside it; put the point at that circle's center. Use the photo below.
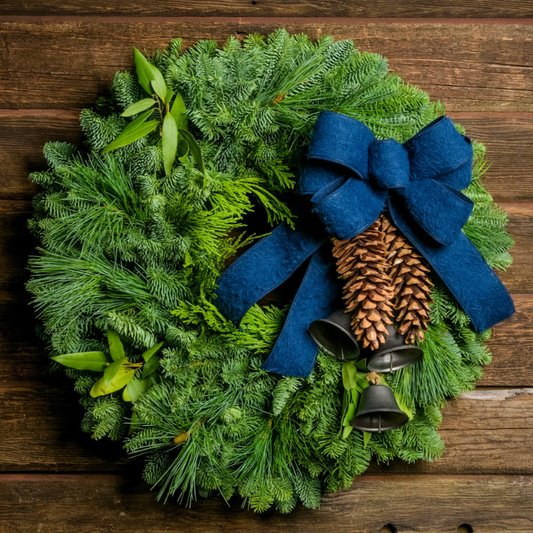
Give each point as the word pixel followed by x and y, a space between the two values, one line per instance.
pixel 351 178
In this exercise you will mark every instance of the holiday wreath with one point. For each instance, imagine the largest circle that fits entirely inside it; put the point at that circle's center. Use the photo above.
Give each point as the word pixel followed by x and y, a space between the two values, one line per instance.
pixel 170 351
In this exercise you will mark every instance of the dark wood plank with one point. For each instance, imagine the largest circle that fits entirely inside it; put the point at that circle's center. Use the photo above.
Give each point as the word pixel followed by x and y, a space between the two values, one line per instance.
pixel 22 137
pixel 16 243
pixel 43 421
pixel 519 278
pixel 103 503
pixel 67 64
pixel 485 432
pixel 508 141
pixel 510 367
pixel 24 132
pixel 511 345
pixel 276 8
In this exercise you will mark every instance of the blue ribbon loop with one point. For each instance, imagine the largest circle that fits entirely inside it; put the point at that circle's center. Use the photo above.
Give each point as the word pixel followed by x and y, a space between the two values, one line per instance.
pixel 351 178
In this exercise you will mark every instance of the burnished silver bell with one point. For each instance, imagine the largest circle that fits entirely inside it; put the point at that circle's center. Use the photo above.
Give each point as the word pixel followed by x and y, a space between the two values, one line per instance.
pixel 378 411
pixel 335 337
pixel 393 354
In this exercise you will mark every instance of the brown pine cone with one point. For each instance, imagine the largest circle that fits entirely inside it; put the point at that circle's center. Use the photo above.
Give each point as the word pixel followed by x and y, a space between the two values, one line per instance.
pixel 412 286
pixel 368 291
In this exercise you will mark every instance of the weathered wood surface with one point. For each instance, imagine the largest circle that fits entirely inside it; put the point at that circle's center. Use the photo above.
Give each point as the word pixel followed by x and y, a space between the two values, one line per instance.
pixel 103 503
pixel 484 431
pixel 276 8
pixel 24 132
pixel 68 64
pixel 56 479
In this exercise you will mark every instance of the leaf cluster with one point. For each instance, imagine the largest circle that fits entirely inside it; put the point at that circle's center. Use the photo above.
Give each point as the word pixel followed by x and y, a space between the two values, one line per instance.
pixel 133 240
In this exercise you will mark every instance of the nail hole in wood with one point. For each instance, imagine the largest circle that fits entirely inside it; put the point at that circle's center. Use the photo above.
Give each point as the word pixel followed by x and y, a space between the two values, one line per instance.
pixel 253 2
pixel 388 528
pixel 465 528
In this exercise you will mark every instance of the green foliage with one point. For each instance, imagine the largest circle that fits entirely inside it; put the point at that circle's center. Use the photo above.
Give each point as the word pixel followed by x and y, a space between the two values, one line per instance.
pixel 133 243
pixel 168 117
pixel 119 371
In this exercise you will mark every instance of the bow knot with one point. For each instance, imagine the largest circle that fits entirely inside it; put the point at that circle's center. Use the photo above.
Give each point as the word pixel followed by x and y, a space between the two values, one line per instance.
pixel 351 173
pixel 389 164
pixel 352 178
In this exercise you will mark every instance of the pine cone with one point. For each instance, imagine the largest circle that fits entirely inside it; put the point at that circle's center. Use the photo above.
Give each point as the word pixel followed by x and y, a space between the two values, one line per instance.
pixel 369 291
pixel 412 287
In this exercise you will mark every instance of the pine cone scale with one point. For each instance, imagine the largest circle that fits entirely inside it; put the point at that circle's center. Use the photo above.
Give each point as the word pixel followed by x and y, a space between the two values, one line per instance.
pixel 384 276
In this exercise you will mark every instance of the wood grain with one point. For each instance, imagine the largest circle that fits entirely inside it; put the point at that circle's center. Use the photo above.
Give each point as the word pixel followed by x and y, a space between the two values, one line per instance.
pixel 510 366
pixel 511 345
pixel 43 419
pixel 56 58
pixel 276 8
pixel 67 64
pixel 24 132
pixel 485 432
pixel 428 504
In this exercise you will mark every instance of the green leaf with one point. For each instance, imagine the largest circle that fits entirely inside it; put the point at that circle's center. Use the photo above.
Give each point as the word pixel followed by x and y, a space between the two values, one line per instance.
pixel 170 142
pixel 366 438
pixel 346 431
pixel 152 351
pixel 132 136
pixel 150 367
pixel 132 126
pixel 112 370
pixel 403 406
pixel 183 149
pixel 136 388
pixel 349 376
pixel 135 422
pixel 138 107
pixel 178 112
pixel 115 345
pixel 158 83
pixel 95 361
pixel 361 365
pixel 194 148
pixel 144 70
pixel 126 394
pixel 362 382
pixel 169 95
pixel 349 414
pixel 121 379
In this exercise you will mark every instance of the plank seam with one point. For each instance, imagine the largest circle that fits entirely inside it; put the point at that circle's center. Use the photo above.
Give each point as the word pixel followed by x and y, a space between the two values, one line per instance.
pixel 346 21
pixel 74 113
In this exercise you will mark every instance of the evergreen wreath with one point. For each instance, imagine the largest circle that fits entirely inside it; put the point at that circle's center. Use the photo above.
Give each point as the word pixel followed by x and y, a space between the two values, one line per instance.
pixel 135 229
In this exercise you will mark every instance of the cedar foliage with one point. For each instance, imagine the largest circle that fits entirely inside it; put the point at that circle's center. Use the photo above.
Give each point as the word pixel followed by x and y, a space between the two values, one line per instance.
pixel 122 245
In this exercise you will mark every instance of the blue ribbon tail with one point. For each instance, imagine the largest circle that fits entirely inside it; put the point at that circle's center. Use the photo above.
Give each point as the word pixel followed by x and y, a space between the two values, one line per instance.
pixel 263 267
pixel 463 270
pixel 295 351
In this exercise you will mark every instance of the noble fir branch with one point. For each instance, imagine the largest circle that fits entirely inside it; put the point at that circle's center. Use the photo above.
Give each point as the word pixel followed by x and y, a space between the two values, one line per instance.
pixel 133 244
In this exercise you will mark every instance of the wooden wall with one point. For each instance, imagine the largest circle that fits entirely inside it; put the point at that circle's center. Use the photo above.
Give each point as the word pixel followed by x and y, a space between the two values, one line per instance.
pixel 57 57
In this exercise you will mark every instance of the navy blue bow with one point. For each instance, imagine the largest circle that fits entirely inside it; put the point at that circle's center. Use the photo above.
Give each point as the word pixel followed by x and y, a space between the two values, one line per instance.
pixel 352 178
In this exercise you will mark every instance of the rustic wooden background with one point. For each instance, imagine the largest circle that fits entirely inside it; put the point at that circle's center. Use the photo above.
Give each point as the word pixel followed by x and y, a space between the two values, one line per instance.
pixel 57 57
